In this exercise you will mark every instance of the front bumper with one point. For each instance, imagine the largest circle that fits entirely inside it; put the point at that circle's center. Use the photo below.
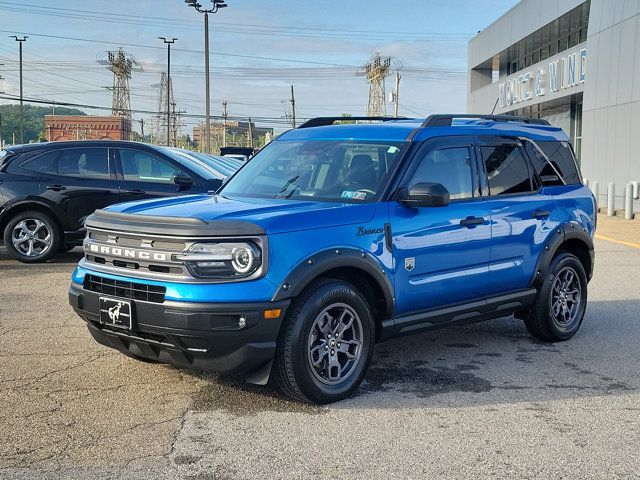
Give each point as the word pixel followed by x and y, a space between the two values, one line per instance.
pixel 189 334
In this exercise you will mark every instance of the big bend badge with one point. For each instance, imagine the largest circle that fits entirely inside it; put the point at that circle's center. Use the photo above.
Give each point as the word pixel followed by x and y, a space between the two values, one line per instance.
pixel 409 263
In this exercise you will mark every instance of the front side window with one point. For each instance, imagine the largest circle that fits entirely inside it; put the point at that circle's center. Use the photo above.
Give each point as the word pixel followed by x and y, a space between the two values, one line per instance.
pixel 450 167
pixel 139 166
pixel 323 170
pixel 84 162
pixel 507 170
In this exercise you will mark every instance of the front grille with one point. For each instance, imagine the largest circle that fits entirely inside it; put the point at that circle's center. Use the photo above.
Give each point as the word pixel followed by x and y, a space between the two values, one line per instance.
pixel 118 251
pixel 123 289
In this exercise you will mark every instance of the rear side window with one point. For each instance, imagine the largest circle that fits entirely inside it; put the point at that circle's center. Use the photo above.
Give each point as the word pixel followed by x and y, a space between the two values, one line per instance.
pixel 561 156
pixel 45 163
pixel 450 167
pixel 84 162
pixel 507 170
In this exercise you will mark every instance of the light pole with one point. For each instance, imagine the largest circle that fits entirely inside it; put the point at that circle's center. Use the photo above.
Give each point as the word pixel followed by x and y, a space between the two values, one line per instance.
pixel 20 40
pixel 215 6
pixel 168 42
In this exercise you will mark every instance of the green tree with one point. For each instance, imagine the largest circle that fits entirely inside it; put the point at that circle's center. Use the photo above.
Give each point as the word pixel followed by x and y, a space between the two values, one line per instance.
pixel 33 121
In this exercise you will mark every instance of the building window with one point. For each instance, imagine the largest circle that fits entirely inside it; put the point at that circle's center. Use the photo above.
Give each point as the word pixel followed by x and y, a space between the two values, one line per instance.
pixel 563 33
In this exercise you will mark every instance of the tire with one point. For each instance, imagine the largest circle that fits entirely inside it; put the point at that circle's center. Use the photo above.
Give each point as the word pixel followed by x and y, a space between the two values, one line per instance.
pixel 326 307
pixel 41 237
pixel 67 247
pixel 560 305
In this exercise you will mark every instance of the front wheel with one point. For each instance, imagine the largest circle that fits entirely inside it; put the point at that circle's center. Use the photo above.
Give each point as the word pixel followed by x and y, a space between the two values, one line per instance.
pixel 561 302
pixel 32 237
pixel 326 343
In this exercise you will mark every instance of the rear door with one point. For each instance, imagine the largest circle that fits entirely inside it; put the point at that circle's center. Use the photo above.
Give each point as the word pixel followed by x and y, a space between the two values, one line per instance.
pixel 143 174
pixel 83 181
pixel 520 213
pixel 442 253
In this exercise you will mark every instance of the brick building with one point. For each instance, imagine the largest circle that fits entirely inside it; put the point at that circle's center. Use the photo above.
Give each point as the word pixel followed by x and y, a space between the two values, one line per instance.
pixel 86 127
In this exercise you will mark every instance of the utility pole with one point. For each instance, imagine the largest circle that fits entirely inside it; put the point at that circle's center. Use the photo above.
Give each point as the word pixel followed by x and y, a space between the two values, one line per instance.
pixel 293 108
pixel 397 99
pixel 250 133
pixel 142 128
pixel 224 123
pixel 168 42
pixel 215 6
pixel 20 41
pixel 174 125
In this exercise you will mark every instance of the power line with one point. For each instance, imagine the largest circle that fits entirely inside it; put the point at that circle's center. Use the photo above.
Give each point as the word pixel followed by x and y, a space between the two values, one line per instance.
pixel 242 28
pixel 146 112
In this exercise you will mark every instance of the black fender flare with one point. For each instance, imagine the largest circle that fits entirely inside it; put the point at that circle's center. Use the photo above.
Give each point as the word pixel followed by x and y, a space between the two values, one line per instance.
pixel 319 263
pixel 562 233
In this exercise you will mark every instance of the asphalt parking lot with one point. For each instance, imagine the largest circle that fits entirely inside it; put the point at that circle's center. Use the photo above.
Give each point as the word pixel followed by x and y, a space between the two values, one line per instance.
pixel 483 401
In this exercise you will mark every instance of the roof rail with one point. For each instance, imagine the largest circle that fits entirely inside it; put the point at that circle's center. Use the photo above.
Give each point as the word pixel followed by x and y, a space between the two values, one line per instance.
pixel 324 121
pixel 445 120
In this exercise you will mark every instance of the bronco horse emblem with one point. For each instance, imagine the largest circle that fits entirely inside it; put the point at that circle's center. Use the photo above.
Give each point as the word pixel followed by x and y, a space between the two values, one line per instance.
pixel 114 312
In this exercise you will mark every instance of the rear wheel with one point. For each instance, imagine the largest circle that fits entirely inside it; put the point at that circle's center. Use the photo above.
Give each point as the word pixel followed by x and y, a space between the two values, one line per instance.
pixel 326 343
pixel 561 302
pixel 32 237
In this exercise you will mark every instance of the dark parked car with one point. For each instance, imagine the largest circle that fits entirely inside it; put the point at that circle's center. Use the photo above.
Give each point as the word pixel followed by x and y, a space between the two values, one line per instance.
pixel 48 189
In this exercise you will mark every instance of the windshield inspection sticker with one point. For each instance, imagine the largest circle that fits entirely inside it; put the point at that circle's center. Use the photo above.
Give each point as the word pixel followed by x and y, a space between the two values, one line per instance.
pixel 354 195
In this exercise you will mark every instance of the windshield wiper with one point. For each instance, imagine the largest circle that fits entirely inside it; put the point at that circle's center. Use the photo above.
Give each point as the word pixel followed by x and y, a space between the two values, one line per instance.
pixel 287 185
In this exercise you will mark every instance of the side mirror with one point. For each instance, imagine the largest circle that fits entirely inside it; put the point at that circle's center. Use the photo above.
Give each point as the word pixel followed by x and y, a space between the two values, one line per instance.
pixel 182 179
pixel 424 195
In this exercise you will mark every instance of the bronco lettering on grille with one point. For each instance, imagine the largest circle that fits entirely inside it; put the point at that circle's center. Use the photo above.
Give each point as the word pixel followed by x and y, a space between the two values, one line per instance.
pixel 128 253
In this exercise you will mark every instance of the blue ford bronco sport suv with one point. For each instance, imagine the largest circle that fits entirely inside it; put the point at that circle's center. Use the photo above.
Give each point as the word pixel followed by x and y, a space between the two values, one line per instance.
pixel 338 236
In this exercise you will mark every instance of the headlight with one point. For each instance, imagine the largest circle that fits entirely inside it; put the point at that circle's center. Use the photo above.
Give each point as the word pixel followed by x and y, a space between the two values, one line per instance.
pixel 222 260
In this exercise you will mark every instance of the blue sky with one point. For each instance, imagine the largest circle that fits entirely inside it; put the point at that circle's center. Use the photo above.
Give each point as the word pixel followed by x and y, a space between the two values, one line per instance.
pixel 317 46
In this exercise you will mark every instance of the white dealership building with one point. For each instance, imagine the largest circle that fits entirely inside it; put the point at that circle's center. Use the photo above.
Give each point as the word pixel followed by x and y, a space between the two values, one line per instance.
pixel 575 63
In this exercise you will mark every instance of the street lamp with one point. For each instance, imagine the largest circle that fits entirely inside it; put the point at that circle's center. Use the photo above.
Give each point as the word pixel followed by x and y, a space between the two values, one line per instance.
pixel 215 6
pixel 20 40
pixel 168 41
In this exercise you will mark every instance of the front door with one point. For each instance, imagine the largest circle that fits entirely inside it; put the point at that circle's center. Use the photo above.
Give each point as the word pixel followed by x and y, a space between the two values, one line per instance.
pixel 144 175
pixel 442 253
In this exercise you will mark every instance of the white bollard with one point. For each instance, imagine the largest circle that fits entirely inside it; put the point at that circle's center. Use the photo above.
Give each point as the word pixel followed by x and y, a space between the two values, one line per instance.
pixel 585 182
pixel 611 199
pixel 636 189
pixel 628 202
pixel 595 188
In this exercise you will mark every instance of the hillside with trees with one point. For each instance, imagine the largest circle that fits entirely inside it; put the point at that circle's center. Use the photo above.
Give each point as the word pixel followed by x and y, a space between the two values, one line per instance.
pixel 33 121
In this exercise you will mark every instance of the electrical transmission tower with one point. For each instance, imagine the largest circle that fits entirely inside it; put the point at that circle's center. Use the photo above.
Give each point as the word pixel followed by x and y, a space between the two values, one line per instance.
pixel 121 64
pixel 375 72
pixel 160 126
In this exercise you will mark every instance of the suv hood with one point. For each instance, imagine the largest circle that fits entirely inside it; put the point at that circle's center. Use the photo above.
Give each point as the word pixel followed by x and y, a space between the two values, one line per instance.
pixel 273 215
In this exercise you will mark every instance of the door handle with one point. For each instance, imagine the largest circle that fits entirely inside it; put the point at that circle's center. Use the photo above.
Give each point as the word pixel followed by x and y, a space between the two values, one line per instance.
pixel 135 192
pixel 471 222
pixel 56 188
pixel 541 214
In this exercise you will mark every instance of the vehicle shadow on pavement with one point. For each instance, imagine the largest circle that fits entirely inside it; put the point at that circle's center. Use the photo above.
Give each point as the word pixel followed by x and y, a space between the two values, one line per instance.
pixel 491 362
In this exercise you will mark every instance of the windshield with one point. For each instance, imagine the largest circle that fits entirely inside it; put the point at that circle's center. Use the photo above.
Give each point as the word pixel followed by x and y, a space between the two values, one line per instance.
pixel 323 170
